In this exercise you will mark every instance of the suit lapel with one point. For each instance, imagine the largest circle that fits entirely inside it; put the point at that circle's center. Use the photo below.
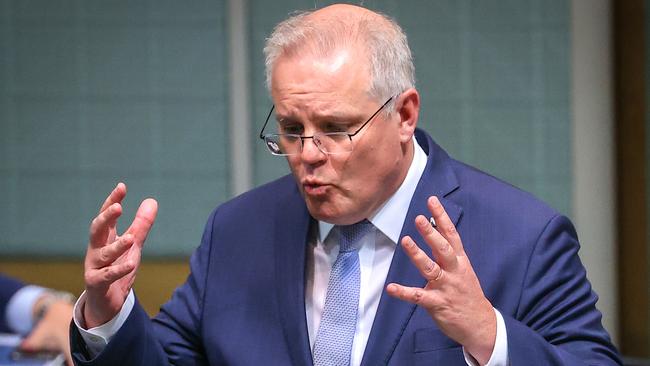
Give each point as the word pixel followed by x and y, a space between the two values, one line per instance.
pixel 392 314
pixel 291 230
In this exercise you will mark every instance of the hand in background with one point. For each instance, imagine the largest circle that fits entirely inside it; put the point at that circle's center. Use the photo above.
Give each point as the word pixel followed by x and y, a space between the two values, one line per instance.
pixel 112 260
pixel 51 333
pixel 453 295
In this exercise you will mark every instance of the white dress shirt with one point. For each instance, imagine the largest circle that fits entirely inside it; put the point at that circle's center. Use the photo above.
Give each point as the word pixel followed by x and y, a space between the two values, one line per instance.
pixel 375 256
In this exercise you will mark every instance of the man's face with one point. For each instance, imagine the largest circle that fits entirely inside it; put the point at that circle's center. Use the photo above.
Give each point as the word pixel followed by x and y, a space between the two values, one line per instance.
pixel 312 95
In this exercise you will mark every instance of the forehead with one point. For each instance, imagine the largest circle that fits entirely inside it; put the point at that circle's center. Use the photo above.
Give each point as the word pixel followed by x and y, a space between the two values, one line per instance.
pixel 310 79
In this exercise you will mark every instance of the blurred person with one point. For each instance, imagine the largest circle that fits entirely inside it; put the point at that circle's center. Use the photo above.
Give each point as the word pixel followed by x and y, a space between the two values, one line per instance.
pixel 42 316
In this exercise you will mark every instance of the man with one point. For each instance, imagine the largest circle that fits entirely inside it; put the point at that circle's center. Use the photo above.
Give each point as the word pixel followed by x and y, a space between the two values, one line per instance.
pixel 41 315
pixel 306 269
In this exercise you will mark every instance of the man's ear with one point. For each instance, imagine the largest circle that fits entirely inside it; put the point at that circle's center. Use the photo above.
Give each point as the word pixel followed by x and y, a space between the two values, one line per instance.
pixel 407 107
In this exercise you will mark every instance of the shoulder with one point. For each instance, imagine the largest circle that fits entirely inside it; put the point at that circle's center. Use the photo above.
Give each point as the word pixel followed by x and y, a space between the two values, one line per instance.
pixel 476 190
pixel 504 223
pixel 259 203
pixel 480 189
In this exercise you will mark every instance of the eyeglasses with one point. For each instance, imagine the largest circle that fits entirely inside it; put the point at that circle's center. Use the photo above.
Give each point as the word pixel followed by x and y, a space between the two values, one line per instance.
pixel 283 144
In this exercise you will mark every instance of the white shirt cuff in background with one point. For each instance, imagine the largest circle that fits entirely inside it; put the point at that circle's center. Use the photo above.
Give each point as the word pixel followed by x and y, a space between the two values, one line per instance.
pixel 500 352
pixel 98 337
pixel 20 309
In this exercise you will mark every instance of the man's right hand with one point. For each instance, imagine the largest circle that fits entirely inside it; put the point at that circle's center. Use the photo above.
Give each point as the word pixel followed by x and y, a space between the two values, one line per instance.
pixel 112 260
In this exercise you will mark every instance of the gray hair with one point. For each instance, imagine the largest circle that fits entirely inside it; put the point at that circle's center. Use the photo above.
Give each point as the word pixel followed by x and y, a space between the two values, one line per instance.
pixel 391 63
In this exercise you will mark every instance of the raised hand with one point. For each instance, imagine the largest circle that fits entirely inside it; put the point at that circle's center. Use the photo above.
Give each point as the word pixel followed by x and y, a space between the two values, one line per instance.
pixel 112 260
pixel 453 295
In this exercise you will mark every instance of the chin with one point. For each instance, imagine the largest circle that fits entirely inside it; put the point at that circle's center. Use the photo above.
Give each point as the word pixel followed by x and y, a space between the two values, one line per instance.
pixel 325 211
pixel 321 213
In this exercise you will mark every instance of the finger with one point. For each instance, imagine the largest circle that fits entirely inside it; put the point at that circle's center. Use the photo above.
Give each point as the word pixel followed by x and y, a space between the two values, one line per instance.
pixel 143 221
pixel 105 276
pixel 29 344
pixel 414 295
pixel 133 256
pixel 117 195
pixel 444 225
pixel 108 254
pixel 100 226
pixel 38 340
pixel 429 269
pixel 440 248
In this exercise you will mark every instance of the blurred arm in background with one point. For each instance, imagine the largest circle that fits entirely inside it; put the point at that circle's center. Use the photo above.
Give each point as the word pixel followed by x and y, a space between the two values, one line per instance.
pixel 41 315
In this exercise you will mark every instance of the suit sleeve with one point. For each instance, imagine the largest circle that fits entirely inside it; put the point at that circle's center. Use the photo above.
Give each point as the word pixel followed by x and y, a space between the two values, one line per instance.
pixel 173 337
pixel 557 322
pixel 8 287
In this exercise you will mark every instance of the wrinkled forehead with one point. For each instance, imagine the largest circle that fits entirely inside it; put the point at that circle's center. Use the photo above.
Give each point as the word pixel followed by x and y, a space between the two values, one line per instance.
pixel 340 73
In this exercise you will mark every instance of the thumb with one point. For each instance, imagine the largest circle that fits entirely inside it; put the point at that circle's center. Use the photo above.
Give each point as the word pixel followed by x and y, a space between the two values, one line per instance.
pixel 144 219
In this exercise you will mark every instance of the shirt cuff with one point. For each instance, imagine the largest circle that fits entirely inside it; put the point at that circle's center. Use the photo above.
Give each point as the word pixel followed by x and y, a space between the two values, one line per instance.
pixel 20 309
pixel 98 337
pixel 500 352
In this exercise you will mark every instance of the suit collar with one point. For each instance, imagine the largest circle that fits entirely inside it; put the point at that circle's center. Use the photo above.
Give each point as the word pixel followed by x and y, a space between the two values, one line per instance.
pixel 392 314
pixel 290 237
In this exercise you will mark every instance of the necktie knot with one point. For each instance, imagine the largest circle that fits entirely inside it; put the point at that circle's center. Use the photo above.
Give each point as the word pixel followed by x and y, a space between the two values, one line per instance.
pixel 351 234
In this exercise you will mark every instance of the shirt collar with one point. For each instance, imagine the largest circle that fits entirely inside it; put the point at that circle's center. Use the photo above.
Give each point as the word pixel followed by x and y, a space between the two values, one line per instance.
pixel 390 217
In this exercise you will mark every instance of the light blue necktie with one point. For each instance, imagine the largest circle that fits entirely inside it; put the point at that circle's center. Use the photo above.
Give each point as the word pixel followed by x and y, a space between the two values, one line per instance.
pixel 333 344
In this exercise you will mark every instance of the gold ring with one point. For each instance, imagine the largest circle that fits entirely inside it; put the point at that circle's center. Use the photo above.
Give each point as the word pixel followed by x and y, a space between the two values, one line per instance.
pixel 439 276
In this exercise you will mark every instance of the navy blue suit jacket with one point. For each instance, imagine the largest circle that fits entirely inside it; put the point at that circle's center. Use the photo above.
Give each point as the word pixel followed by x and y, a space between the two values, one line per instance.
pixel 243 303
pixel 8 287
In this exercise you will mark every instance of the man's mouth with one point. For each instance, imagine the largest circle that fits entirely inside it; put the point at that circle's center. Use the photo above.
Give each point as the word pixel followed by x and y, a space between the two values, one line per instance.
pixel 313 187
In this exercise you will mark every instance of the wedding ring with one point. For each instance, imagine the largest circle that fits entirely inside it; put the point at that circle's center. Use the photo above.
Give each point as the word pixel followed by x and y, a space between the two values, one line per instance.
pixel 432 221
pixel 439 276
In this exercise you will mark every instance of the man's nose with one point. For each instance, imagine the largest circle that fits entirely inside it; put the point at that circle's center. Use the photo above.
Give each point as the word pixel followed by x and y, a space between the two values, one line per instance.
pixel 310 152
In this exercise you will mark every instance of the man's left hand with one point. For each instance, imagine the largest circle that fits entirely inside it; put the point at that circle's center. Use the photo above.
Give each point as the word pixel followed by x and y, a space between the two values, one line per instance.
pixel 452 295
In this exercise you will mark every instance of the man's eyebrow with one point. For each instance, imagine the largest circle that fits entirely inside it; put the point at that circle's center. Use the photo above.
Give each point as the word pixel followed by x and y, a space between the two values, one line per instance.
pixel 340 117
pixel 336 117
pixel 285 119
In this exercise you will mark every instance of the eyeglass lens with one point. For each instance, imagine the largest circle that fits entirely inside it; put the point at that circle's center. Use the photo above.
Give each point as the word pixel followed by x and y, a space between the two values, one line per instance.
pixel 328 143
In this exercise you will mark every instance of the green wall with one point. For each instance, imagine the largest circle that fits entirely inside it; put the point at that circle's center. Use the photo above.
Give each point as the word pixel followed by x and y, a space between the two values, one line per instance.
pixel 95 92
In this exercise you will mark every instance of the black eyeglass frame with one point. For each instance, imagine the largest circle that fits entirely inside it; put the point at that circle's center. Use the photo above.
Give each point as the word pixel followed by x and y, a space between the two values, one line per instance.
pixel 303 138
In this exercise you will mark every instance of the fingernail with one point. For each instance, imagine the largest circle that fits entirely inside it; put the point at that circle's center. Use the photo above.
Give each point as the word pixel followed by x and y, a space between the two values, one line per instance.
pixel 407 243
pixel 422 221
